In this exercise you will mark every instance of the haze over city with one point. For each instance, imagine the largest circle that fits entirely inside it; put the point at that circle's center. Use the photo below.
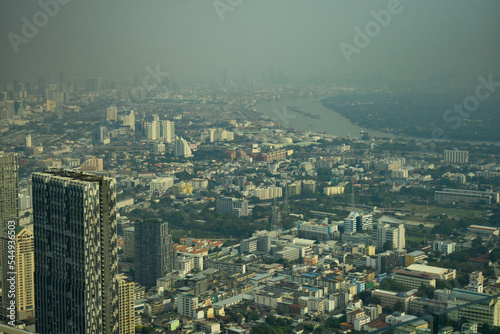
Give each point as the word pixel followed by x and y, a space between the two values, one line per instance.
pixel 250 167
pixel 117 39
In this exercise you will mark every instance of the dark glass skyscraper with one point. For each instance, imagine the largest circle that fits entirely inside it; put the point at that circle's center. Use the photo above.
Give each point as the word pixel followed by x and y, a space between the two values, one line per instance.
pixel 76 288
pixel 154 251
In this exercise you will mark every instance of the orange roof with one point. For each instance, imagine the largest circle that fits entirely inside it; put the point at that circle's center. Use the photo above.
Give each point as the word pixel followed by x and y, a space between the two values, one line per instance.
pixel 182 239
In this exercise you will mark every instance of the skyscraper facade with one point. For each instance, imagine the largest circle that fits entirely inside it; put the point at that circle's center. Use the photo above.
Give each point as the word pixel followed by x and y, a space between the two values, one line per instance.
pixel 76 288
pixel 181 148
pixel 23 255
pixel 8 190
pixel 127 306
pixel 9 216
pixel 154 251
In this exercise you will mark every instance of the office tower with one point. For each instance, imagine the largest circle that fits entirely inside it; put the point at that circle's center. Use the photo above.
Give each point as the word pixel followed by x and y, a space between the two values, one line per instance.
pixel 129 120
pixel 111 114
pixel 41 86
pixel 154 251
pixel 456 156
pixel 234 206
pixel 388 232
pixel 159 130
pixel 28 140
pixel 102 134
pixel 151 130
pixel 167 131
pixel 19 108
pixel 126 302
pixel 98 83
pixel 129 242
pixel 181 148
pixel 11 109
pixel 76 264
pixel 23 256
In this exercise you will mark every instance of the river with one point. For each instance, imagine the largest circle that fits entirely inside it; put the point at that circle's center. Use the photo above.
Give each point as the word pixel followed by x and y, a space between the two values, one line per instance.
pixel 329 121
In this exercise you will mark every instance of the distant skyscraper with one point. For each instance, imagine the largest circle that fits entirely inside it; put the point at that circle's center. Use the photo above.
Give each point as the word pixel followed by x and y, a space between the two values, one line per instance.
pixel 159 130
pixel 111 114
pixel 154 251
pixel 129 242
pixel 76 288
pixel 181 148
pixel 61 81
pixel 28 140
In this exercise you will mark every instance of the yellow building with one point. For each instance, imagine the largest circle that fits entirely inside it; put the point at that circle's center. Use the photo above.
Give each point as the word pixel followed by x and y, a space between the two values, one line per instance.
pixel 414 257
pixel 126 302
pixel 95 164
pixel 367 250
pixel 24 268
pixel 50 105
pixel 182 188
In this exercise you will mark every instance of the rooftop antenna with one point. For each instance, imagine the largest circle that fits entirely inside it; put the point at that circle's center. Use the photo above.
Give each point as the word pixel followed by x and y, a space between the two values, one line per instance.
pixel 286 208
pixel 353 202
pixel 276 221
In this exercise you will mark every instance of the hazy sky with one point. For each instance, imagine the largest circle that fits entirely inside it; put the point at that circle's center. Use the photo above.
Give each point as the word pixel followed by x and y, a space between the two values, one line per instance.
pixel 120 38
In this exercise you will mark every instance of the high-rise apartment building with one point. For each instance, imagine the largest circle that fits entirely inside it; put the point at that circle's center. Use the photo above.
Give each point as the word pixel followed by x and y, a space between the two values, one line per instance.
pixel 111 114
pixel 388 232
pixel 24 262
pixel 126 302
pixel 236 207
pixel 159 130
pixel 76 288
pixel 181 148
pixel 456 156
pixel 154 251
pixel 129 242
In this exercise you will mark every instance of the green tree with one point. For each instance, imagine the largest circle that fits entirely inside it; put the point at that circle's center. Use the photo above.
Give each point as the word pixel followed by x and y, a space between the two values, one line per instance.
pixel 399 306
pixel 388 245
pixel 254 315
